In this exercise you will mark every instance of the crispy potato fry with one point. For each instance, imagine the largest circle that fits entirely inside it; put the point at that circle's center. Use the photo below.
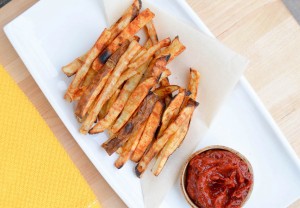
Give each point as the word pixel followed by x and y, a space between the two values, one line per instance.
pixel 72 67
pixel 107 91
pixel 149 132
pixel 133 27
pixel 171 112
pixel 93 53
pixel 164 83
pixel 108 105
pixel 148 44
pixel 99 82
pixel 149 53
pixel 118 106
pixel 152 32
pixel 133 103
pixel 170 147
pixel 135 122
pixel 194 83
pixel 156 67
pixel 129 146
pixel 162 92
pixel 174 49
pixel 175 141
pixel 162 140
pixel 166 72
pixel 126 18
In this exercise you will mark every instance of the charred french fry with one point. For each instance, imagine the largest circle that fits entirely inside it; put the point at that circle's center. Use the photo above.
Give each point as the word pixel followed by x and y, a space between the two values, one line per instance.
pixel 174 49
pixel 133 103
pixel 118 106
pixel 129 146
pixel 162 140
pixel 107 91
pixel 194 83
pixel 149 132
pixel 135 122
pixel 133 27
pixel 175 141
pixel 152 32
pixel 99 82
pixel 170 147
pixel 82 71
pixel 108 105
pixel 156 67
pixel 126 18
pixel 164 83
pixel 72 67
pixel 171 112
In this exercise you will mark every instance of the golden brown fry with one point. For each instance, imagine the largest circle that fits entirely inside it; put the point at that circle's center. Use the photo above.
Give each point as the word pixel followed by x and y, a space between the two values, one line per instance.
pixel 194 83
pixel 133 27
pixel 148 44
pixel 72 67
pixel 135 122
pixel 129 146
pixel 152 32
pixel 170 147
pixel 149 132
pixel 156 67
pixel 174 49
pixel 171 112
pixel 133 102
pixel 99 82
pixel 118 106
pixel 126 18
pixel 164 83
pixel 162 92
pixel 162 140
pixel 108 105
pixel 93 53
pixel 149 53
pixel 108 90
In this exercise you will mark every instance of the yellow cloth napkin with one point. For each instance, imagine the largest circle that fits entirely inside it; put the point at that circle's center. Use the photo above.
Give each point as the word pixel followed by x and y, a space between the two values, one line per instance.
pixel 35 171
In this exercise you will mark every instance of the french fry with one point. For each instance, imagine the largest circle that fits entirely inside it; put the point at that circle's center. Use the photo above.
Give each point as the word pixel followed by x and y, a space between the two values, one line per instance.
pixel 148 44
pixel 118 106
pixel 175 141
pixel 194 83
pixel 152 32
pixel 171 112
pixel 166 72
pixel 170 147
pixel 108 105
pixel 129 146
pixel 149 53
pixel 149 132
pixel 156 67
pixel 162 140
pixel 174 49
pixel 99 82
pixel 133 27
pixel 107 91
pixel 162 92
pixel 126 18
pixel 72 67
pixel 93 53
pixel 164 83
pixel 135 122
pixel 133 103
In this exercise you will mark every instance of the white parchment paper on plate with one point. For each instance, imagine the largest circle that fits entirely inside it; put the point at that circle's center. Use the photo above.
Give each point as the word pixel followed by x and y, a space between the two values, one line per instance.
pixel 220 69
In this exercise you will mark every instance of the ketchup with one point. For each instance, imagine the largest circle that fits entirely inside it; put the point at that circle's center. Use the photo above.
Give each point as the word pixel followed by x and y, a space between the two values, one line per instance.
pixel 218 179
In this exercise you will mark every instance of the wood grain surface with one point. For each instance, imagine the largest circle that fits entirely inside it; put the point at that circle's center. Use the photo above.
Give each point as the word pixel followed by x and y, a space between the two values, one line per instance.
pixel 262 30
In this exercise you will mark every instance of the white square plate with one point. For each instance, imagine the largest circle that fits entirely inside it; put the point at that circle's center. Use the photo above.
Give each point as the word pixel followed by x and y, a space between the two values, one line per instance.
pixel 40 36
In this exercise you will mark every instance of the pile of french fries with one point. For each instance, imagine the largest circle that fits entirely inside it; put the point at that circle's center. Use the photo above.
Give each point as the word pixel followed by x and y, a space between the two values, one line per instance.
pixel 122 86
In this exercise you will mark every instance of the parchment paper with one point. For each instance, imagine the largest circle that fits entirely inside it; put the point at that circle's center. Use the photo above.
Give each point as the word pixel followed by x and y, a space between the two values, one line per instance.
pixel 220 69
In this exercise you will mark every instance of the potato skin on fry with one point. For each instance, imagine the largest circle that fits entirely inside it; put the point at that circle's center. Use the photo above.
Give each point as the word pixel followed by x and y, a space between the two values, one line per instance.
pixel 149 131
pixel 134 123
pixel 133 102
pixel 194 82
pixel 133 27
pixel 99 81
pixel 162 140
